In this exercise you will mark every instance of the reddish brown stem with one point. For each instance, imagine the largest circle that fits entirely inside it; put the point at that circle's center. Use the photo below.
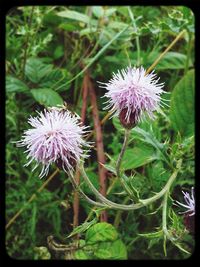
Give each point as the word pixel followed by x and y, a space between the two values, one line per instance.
pixel 77 175
pixel 99 143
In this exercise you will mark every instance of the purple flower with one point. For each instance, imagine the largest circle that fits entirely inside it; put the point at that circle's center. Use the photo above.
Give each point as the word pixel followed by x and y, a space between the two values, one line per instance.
pixel 189 203
pixel 56 136
pixel 131 94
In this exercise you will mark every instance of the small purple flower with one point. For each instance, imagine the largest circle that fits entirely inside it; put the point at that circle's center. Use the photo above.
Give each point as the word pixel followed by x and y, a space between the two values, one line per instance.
pixel 190 203
pixel 131 94
pixel 56 136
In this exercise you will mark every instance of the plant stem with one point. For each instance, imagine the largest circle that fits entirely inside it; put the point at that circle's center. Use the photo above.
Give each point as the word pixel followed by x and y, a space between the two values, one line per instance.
pixel 99 142
pixel 76 187
pixel 142 202
pixel 119 160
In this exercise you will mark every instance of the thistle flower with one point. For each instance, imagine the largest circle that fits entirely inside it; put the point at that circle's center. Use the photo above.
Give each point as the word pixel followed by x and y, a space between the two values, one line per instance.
pixel 131 94
pixel 56 136
pixel 190 210
pixel 190 203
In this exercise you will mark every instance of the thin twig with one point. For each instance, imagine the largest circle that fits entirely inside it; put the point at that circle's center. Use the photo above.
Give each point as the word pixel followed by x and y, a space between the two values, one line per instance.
pixel 99 143
pixel 165 51
pixel 77 174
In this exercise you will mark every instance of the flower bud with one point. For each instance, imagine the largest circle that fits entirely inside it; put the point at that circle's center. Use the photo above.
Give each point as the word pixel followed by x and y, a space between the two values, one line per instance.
pixel 131 121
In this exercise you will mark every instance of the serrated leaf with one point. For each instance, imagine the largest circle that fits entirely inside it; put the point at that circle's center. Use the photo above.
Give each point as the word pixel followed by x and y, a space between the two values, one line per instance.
pixel 35 69
pixel 153 234
pixel 111 250
pixel 109 168
pixel 182 105
pixel 147 137
pixel 15 85
pixel 47 97
pixel 101 232
pixel 70 14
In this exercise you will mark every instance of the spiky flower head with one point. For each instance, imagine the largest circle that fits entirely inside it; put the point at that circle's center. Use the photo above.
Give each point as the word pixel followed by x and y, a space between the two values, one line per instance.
pixel 56 136
pixel 189 203
pixel 132 93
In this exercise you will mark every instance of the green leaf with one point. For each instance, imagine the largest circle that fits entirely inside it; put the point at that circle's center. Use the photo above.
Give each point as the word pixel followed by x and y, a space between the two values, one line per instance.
pixel 80 254
pixel 148 137
pixel 82 228
pixel 182 105
pixel 56 79
pixel 111 250
pixel 68 27
pixel 35 69
pixel 101 232
pixel 15 85
pixel 110 11
pixel 47 97
pixel 137 156
pixel 69 14
pixel 171 60
pixel 98 11
pixel 153 234
pixel 59 52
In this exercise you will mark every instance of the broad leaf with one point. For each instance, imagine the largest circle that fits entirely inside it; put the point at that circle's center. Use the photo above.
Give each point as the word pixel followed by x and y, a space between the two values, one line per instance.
pixel 35 69
pixel 171 60
pixel 101 232
pixel 182 105
pixel 47 97
pixel 15 85
pixel 111 250
pixel 137 156
pixel 70 14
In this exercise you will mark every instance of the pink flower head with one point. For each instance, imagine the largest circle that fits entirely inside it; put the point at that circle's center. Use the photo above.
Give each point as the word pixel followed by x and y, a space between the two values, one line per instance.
pixel 131 93
pixel 189 203
pixel 56 136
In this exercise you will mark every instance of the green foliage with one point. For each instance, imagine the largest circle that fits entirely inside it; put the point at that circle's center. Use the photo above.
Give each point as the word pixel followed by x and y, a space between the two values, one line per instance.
pixel 14 85
pixel 102 242
pixel 182 105
pixel 47 97
pixel 48 50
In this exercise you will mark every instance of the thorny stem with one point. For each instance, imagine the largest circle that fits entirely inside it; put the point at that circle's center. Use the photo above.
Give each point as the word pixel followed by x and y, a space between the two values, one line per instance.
pixel 142 202
pixel 164 226
pixel 77 187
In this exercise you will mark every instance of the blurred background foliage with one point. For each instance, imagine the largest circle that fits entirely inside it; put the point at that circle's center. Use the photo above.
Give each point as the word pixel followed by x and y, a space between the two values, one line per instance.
pixel 47 48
